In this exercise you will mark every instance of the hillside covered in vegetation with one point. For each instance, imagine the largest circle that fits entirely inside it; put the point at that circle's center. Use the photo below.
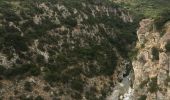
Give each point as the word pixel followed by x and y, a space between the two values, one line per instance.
pixel 68 49
pixel 63 49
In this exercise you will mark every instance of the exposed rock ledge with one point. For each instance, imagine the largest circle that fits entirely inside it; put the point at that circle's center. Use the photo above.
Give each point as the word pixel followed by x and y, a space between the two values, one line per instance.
pixel 151 67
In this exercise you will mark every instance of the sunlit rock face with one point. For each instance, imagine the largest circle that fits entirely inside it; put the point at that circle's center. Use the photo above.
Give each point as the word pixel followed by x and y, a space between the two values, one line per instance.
pixel 151 67
pixel 150 78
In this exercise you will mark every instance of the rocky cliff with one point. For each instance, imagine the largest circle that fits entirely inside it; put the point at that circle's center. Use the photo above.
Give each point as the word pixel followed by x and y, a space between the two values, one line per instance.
pixel 150 78
pixel 151 66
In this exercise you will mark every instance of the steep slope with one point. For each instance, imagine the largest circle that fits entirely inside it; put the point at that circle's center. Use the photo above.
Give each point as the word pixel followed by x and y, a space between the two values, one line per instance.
pixel 63 49
pixel 151 65
pixel 151 68
pixel 150 78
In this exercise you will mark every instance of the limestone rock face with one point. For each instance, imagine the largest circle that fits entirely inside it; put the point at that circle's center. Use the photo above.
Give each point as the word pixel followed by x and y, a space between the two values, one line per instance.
pixel 151 67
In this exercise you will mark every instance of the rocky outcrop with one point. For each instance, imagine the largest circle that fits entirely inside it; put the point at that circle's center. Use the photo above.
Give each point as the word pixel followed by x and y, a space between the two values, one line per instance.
pixel 151 66
pixel 150 79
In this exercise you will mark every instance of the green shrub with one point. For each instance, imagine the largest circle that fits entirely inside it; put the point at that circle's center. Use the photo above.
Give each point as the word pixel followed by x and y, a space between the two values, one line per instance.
pixel 162 19
pixel 143 97
pixel 52 76
pixel 153 86
pixel 167 46
pixel 71 22
pixel 26 69
pixel 77 96
pixel 24 97
pixel 16 41
pixel 77 85
pixel 75 72
pixel 39 98
pixel 28 86
pixel 2 69
pixel 40 59
pixel 155 53
pixel 31 69
pixel 167 81
pixel 35 71
pixel 133 54
pixel 10 15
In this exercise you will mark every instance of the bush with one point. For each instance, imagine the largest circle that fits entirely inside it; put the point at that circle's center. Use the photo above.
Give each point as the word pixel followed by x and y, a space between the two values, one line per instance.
pixel 167 46
pixel 35 71
pixel 77 96
pixel 40 59
pixel 153 86
pixel 143 97
pixel 16 41
pixel 28 87
pixel 133 54
pixel 77 85
pixel 31 69
pixel 27 69
pixel 39 98
pixel 2 69
pixel 10 15
pixel 162 19
pixel 52 76
pixel 71 22
pixel 24 97
pixel 155 53
pixel 167 81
